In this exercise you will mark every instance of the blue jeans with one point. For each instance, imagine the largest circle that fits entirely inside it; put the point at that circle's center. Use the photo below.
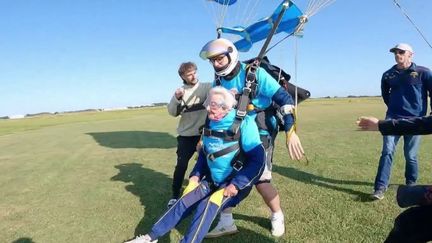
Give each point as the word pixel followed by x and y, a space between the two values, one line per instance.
pixel 411 145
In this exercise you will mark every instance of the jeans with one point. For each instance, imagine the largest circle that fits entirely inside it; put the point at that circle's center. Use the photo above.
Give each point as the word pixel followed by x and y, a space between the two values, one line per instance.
pixel 411 146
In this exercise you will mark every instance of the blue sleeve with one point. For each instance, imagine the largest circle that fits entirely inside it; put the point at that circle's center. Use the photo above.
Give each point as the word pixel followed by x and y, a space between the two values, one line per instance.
pixel 250 136
pixel 412 126
pixel 201 168
pixel 267 85
pixel 252 170
pixel 282 97
pixel 428 81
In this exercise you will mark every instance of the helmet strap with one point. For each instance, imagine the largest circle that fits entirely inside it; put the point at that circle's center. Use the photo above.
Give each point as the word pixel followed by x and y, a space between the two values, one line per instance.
pixel 234 72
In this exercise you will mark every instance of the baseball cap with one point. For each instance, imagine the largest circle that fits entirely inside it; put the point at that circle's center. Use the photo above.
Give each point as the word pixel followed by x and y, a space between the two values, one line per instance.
pixel 403 47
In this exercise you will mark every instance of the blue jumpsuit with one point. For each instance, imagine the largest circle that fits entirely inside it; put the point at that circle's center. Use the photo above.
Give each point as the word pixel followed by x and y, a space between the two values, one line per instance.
pixel 207 196
pixel 268 90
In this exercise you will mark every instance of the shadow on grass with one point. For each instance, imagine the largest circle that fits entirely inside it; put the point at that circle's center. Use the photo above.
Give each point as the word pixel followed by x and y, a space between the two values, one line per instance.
pixel 134 139
pixel 329 183
pixel 152 188
pixel 244 235
pixel 263 222
pixel 23 240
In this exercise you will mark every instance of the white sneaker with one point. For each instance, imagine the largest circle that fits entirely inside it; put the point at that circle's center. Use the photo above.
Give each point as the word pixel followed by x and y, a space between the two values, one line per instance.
pixel 142 239
pixel 221 230
pixel 171 202
pixel 278 226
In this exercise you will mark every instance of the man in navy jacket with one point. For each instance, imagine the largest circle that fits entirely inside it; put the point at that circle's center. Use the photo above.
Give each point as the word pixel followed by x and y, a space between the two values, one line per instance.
pixel 404 89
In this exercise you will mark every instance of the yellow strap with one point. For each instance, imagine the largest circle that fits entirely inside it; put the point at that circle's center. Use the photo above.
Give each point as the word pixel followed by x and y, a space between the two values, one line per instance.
pixel 217 197
pixel 294 126
pixel 190 187
pixel 290 132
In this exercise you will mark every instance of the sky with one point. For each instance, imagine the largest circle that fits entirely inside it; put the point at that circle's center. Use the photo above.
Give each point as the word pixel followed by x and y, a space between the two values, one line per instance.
pixel 65 55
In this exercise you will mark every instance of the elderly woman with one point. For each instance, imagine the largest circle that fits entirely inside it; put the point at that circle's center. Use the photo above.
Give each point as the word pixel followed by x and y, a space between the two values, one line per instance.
pixel 224 174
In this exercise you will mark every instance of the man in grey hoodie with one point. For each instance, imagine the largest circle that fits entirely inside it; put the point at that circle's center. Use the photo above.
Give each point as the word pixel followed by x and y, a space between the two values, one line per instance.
pixel 187 102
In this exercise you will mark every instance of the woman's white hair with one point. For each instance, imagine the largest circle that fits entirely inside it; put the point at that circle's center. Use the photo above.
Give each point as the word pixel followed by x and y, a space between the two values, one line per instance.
pixel 228 97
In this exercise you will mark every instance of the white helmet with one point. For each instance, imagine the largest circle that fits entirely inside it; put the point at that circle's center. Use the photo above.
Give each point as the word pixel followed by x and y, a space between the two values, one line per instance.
pixel 218 47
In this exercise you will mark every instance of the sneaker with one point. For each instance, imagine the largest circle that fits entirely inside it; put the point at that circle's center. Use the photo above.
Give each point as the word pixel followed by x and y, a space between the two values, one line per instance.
pixel 171 202
pixel 278 226
pixel 410 183
pixel 142 239
pixel 378 194
pixel 221 230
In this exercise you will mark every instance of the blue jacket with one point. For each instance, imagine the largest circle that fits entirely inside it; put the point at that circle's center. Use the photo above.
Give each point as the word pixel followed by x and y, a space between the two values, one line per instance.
pixel 405 92
pixel 412 126
pixel 268 90
pixel 220 170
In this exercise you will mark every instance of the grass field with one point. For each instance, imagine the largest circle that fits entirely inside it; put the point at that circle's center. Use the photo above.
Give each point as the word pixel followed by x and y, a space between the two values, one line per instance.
pixel 105 177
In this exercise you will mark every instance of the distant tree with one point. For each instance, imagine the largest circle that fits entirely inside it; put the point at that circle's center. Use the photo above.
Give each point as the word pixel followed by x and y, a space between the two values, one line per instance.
pixel 160 104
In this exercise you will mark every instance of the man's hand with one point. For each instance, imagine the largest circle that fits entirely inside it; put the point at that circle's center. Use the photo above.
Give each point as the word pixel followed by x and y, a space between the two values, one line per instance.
pixel 179 93
pixel 368 123
pixel 199 146
pixel 230 191
pixel 294 146
pixel 193 183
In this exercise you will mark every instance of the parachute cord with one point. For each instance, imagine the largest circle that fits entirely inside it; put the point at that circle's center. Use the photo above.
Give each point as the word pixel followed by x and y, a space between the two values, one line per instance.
pixel 314 6
pixel 412 22
pixel 295 77
pixel 277 43
pixel 252 12
pixel 223 13
pixel 212 12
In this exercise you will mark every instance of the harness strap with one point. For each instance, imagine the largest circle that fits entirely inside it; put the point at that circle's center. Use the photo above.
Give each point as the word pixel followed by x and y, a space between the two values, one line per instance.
pixel 225 135
pixel 223 152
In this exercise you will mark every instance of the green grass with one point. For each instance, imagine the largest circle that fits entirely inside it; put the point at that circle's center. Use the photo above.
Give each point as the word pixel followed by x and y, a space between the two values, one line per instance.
pixel 106 177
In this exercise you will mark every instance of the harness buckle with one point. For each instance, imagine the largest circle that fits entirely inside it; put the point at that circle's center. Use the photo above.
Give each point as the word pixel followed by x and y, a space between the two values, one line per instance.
pixel 241 113
pixel 211 157
pixel 206 132
pixel 237 165
pixel 247 88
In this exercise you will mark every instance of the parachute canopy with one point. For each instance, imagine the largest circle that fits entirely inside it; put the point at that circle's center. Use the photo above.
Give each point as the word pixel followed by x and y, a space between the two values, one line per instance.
pixel 259 30
pixel 224 2
pixel 246 29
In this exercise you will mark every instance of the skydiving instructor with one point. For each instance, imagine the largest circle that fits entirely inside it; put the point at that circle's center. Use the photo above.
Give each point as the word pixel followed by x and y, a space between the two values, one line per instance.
pixel 231 74
pixel 405 88
pixel 187 102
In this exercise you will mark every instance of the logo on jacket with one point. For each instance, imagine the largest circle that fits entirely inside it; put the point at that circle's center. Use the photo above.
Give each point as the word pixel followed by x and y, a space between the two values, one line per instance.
pixel 389 76
pixel 414 74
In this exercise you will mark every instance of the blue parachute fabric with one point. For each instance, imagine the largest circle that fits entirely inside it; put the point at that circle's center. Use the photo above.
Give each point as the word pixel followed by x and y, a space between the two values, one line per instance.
pixel 260 29
pixel 224 2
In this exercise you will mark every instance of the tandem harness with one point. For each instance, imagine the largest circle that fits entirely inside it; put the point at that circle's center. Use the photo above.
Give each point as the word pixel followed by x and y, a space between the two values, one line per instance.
pixel 244 105
pixel 234 132
pixel 237 161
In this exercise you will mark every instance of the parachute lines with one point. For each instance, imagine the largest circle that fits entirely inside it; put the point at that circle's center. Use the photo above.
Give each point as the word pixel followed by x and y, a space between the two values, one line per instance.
pixel 314 6
pixel 412 22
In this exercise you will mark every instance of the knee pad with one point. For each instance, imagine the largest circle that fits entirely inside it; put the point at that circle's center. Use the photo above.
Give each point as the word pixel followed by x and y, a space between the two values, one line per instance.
pixel 190 187
pixel 217 197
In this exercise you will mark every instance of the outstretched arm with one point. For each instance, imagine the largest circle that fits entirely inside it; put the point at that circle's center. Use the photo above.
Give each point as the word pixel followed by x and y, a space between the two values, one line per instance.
pixel 412 126
pixel 293 143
